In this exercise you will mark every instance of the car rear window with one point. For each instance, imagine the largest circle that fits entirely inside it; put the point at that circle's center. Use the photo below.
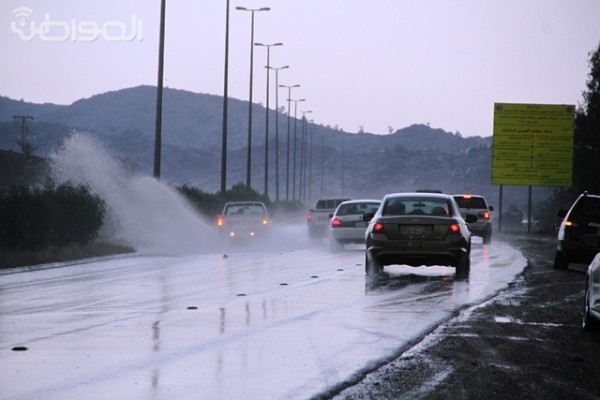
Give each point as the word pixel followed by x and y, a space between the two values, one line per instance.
pixel 358 208
pixel 416 206
pixel 470 202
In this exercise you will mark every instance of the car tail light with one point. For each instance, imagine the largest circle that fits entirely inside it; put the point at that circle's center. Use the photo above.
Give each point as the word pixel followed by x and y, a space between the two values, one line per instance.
pixel 220 221
pixel 453 228
pixel 378 228
pixel 337 223
pixel 265 221
pixel 484 215
pixel 309 216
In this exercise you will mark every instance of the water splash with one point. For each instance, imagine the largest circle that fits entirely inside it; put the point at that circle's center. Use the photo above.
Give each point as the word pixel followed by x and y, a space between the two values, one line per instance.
pixel 141 211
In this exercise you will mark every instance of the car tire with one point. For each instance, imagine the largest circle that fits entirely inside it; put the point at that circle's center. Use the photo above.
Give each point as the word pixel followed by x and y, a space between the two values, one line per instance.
pixel 561 261
pixel 589 323
pixel 335 245
pixel 487 237
pixel 463 267
pixel 371 266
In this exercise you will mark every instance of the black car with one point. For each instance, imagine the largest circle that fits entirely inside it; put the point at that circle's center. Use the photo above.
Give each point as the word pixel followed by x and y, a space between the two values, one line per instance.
pixel 582 219
pixel 418 229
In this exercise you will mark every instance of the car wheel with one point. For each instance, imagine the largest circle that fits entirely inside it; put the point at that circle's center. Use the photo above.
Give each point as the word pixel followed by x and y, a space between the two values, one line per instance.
pixel 487 237
pixel 561 261
pixel 371 266
pixel 589 323
pixel 335 245
pixel 463 267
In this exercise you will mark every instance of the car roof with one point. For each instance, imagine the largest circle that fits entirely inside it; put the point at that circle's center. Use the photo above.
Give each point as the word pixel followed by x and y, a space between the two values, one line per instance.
pixel 419 194
pixel 361 201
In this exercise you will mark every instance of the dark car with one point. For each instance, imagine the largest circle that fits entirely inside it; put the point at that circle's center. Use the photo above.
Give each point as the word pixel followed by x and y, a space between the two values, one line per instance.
pixel 582 219
pixel 418 229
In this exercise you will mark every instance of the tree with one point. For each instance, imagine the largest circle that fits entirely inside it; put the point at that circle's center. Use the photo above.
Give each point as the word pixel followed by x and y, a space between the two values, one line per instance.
pixel 587 132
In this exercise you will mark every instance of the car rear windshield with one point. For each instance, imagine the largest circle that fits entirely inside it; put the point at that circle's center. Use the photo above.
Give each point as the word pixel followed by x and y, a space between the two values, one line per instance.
pixel 245 209
pixel 358 208
pixel 470 202
pixel 416 206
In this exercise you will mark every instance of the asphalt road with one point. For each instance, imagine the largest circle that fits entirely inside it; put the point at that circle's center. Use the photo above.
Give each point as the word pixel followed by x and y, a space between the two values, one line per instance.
pixel 525 343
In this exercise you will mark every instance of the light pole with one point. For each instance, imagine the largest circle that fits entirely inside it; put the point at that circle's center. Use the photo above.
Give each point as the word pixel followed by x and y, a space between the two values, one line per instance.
pixel 268 46
pixel 310 162
pixel 277 128
pixel 225 95
pixel 295 130
pixel 302 191
pixel 159 92
pixel 249 157
pixel 287 168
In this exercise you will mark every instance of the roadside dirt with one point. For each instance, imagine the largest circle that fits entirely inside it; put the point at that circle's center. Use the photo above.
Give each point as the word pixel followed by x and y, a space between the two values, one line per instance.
pixel 525 343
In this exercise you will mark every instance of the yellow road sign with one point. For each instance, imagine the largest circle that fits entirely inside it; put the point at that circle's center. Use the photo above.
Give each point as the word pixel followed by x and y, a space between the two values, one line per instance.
pixel 533 144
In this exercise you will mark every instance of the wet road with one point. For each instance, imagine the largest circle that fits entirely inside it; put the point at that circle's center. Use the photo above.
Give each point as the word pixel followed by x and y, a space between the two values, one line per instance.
pixel 289 322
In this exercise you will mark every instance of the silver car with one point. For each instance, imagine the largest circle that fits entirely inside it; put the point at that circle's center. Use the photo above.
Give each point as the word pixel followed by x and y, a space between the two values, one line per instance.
pixel 591 305
pixel 347 224
pixel 418 229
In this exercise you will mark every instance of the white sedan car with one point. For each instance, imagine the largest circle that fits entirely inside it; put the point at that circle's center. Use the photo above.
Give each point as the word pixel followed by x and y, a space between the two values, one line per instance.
pixel 347 224
pixel 591 305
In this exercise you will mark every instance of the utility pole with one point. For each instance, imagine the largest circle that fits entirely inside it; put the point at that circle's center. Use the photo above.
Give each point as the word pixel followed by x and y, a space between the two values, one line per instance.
pixel 23 138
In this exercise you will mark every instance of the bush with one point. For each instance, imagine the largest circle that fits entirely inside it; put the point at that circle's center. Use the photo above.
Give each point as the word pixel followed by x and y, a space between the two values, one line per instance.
pixel 33 219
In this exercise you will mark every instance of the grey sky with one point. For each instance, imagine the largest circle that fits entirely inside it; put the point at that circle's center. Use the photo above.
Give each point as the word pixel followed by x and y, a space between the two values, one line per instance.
pixel 360 63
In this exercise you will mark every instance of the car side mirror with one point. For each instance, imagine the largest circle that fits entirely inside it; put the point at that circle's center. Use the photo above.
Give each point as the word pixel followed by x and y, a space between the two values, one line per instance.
pixel 491 208
pixel 330 215
pixel 470 218
pixel 368 216
pixel 591 241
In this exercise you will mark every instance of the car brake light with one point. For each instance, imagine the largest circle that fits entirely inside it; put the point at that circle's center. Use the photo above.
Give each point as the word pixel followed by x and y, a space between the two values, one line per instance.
pixel 453 228
pixel 378 228
pixel 484 215
pixel 309 216
pixel 220 221
pixel 265 221
pixel 336 223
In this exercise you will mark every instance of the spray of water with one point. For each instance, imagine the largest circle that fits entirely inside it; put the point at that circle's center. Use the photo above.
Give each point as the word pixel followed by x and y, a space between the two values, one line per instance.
pixel 142 212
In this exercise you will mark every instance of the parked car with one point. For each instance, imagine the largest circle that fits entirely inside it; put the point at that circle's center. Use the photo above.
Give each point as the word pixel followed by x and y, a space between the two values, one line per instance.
pixel 583 218
pixel 418 229
pixel 477 205
pixel 591 304
pixel 347 223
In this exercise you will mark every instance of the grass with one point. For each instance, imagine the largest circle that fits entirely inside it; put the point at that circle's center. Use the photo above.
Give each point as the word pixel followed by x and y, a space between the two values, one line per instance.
pixel 13 258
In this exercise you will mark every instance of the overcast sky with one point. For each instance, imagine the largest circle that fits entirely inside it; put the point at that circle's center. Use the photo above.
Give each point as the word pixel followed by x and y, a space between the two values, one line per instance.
pixel 373 64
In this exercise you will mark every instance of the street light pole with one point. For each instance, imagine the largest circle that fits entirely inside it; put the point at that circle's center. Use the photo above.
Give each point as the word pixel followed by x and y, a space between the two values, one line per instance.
pixel 302 191
pixel 287 168
pixel 277 128
pixel 159 92
pixel 268 46
pixel 310 162
pixel 295 130
pixel 249 156
pixel 225 99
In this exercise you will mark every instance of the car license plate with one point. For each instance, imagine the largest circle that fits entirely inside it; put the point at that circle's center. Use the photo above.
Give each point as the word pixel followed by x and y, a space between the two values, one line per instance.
pixel 415 229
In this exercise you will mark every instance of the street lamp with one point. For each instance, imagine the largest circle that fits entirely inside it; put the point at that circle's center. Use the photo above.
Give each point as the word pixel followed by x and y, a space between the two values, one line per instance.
pixel 268 46
pixel 225 99
pixel 277 128
pixel 303 157
pixel 287 168
pixel 249 157
pixel 295 130
pixel 310 161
